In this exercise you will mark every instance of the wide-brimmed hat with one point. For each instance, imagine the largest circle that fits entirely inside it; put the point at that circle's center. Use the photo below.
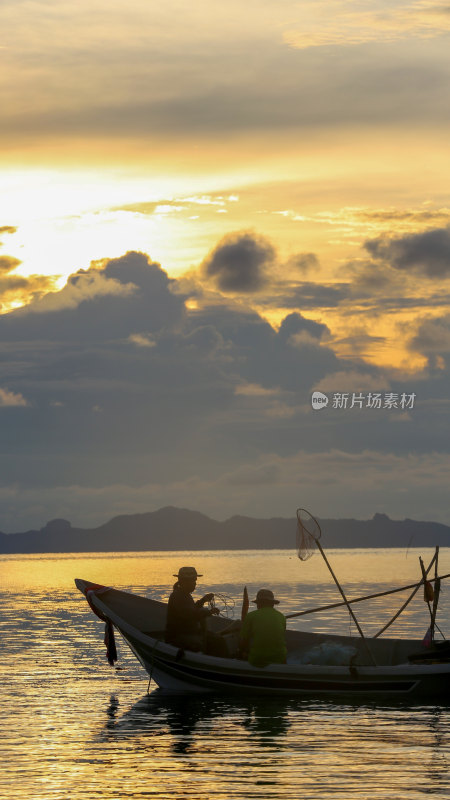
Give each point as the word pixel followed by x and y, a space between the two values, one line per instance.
pixel 187 572
pixel 265 595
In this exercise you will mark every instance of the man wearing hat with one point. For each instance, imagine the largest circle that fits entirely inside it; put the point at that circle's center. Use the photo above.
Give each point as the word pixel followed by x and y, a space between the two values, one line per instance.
pixel 185 625
pixel 263 632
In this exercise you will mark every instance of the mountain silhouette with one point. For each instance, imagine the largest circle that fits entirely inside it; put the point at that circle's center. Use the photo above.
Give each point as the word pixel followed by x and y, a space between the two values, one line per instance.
pixel 173 528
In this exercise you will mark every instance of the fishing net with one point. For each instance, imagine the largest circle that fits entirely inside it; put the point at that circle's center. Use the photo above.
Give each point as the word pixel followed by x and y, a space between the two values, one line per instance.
pixel 308 532
pixel 225 604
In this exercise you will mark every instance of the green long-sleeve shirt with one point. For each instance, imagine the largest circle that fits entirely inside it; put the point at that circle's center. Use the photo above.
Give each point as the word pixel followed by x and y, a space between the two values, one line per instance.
pixel 264 630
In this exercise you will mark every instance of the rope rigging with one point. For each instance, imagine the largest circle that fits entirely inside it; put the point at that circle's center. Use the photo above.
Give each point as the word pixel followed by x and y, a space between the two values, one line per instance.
pixel 225 605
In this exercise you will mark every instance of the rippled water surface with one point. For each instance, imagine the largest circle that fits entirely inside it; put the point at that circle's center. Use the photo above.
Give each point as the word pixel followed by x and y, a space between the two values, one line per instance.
pixel 72 727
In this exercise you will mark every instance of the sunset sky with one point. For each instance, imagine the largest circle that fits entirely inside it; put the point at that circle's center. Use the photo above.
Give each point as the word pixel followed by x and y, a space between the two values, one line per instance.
pixel 209 211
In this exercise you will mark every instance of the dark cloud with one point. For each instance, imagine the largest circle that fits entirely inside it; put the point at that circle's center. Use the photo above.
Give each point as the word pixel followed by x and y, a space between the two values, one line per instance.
pixel 246 262
pixel 303 262
pixel 432 337
pixel 427 253
pixel 128 385
pixel 360 343
pixel 371 277
pixel 378 286
pixel 399 215
pixel 8 263
pixel 363 301
pixel 308 295
pixel 191 91
pixel 17 289
pixel 114 381
pixel 278 94
pixel 240 262
pixel 295 323
pixel 111 301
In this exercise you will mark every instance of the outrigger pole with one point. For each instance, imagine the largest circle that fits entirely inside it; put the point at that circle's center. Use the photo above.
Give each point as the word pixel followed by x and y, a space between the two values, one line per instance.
pixel 350 610
pixel 437 592
pixel 366 597
pixel 311 534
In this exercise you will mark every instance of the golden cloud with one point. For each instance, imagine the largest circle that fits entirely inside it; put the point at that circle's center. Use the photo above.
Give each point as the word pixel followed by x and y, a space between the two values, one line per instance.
pixel 8 398
pixel 342 24
pixel 16 290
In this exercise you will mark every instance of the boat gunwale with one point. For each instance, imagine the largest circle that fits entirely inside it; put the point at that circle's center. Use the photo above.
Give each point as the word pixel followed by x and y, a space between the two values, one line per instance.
pixel 238 666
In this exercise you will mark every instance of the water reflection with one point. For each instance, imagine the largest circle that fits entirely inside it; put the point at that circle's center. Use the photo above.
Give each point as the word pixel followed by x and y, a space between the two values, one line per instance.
pixel 276 722
pixel 160 712
pixel 112 711
pixel 181 715
pixel 204 746
pixel 265 720
pixel 436 772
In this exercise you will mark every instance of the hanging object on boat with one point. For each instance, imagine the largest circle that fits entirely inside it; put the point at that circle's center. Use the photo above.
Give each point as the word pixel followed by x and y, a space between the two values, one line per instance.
pixel 245 604
pixel 431 597
pixel 428 593
pixel 110 643
pixel 427 640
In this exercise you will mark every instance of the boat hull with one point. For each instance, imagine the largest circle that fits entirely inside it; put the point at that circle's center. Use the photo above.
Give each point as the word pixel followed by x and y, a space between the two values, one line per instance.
pixel 183 671
pixel 178 670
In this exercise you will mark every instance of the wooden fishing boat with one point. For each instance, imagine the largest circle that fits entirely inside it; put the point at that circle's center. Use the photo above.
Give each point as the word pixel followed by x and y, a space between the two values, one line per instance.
pixel 365 667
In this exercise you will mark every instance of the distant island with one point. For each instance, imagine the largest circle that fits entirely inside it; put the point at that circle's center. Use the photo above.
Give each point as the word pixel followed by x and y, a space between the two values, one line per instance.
pixel 173 528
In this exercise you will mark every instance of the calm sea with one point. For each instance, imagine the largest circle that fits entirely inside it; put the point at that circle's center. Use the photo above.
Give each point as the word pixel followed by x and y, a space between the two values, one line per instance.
pixel 72 727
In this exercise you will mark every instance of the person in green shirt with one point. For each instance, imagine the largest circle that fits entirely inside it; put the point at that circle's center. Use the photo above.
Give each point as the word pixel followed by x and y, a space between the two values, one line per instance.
pixel 262 634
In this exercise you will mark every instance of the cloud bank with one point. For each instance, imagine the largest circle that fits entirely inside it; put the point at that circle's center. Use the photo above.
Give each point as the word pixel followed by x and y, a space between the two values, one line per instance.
pixel 116 380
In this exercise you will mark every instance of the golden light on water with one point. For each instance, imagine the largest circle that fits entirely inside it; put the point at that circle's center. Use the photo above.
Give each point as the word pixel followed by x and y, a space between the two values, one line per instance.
pixel 74 726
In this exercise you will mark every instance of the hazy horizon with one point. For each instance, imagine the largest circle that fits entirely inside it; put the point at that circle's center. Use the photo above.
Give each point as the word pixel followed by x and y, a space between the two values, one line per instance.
pixel 106 519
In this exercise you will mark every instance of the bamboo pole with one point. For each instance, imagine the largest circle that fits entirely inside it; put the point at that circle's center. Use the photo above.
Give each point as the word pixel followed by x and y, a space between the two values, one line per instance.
pixel 350 610
pixel 366 597
pixel 437 591
pixel 402 608
pixel 425 589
